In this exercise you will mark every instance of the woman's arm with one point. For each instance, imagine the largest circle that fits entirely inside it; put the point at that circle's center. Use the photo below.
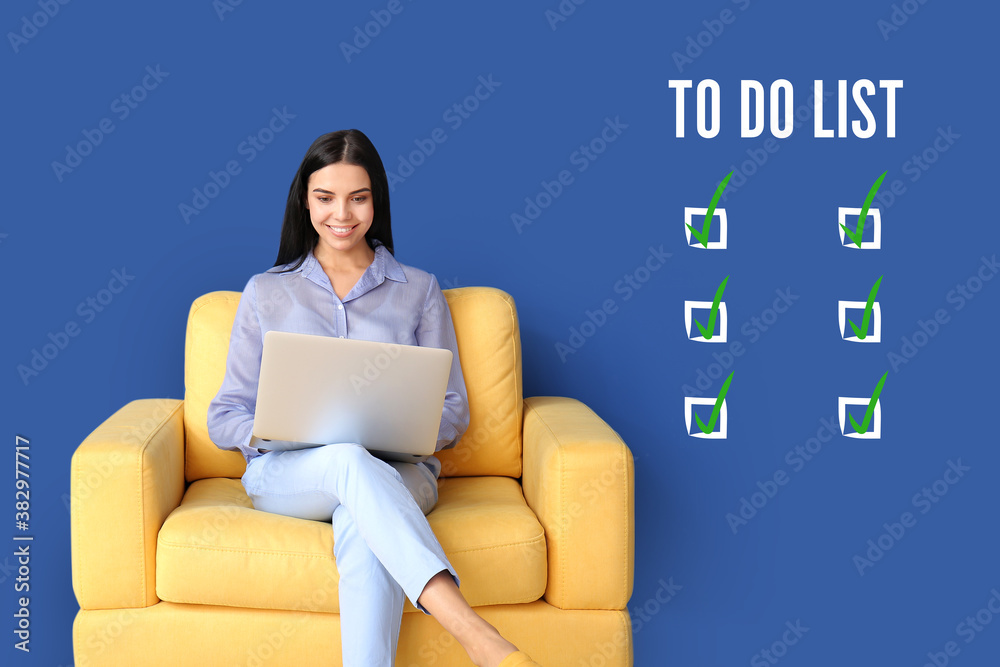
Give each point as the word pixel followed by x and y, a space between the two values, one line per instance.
pixel 437 330
pixel 230 414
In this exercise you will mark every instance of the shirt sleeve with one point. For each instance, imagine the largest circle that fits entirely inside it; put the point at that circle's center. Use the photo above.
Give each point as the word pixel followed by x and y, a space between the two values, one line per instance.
pixel 231 412
pixel 437 330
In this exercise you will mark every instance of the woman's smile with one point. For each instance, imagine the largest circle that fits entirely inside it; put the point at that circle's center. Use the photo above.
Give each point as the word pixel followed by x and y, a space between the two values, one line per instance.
pixel 341 231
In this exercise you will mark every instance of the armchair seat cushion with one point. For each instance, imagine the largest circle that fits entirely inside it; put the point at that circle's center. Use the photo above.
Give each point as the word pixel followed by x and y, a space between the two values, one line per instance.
pixel 215 549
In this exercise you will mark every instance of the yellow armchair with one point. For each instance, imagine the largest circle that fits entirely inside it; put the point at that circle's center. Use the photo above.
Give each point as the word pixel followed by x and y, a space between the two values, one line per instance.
pixel 535 513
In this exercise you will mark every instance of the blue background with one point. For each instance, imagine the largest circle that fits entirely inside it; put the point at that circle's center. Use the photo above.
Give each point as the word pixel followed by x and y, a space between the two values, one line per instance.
pixel 793 561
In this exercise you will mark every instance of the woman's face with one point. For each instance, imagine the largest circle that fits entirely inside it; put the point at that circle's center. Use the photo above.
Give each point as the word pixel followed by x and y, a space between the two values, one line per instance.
pixel 339 199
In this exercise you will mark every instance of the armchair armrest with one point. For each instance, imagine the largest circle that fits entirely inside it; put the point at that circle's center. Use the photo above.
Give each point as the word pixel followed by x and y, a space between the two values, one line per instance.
pixel 126 477
pixel 579 481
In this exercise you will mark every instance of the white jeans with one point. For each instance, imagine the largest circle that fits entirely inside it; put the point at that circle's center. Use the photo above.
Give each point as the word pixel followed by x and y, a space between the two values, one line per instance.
pixel 382 542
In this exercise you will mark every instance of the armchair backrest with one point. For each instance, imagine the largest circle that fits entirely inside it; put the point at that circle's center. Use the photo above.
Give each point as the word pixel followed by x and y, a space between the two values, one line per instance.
pixel 489 347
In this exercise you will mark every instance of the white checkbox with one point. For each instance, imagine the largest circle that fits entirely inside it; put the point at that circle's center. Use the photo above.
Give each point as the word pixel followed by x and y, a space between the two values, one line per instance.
pixel 695 334
pixel 690 402
pixel 696 218
pixel 847 333
pixel 846 429
pixel 874 219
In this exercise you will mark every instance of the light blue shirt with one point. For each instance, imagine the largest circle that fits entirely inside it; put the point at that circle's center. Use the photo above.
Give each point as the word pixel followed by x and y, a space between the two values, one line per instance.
pixel 390 303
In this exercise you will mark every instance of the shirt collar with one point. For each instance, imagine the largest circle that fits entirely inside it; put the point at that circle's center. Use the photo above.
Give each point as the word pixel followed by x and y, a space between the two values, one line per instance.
pixel 386 266
pixel 383 266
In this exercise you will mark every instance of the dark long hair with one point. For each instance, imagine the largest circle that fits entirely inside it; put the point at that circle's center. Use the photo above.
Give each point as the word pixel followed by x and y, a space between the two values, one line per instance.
pixel 298 236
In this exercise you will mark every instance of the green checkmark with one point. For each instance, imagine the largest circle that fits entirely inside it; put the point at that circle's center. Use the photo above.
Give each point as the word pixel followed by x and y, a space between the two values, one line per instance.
pixel 702 236
pixel 715 410
pixel 862 333
pixel 856 236
pixel 707 332
pixel 871 407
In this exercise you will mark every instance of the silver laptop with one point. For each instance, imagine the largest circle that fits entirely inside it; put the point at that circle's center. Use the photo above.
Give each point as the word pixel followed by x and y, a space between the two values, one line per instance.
pixel 317 390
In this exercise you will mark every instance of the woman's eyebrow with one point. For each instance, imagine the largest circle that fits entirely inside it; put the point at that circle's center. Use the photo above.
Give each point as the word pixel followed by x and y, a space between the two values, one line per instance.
pixel 332 193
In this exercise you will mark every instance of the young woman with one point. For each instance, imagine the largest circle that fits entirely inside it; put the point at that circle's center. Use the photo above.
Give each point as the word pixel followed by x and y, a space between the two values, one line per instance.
pixel 335 275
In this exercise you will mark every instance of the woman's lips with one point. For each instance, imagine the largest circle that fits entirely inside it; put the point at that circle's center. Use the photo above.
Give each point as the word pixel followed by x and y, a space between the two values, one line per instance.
pixel 341 231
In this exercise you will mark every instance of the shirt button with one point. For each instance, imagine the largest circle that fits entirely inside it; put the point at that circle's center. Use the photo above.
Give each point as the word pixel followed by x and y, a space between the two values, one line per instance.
pixel 339 336
pixel 340 306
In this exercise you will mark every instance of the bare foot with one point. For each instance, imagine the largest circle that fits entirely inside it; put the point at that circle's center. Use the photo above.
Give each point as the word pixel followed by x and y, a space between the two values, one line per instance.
pixel 492 650
pixel 484 643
